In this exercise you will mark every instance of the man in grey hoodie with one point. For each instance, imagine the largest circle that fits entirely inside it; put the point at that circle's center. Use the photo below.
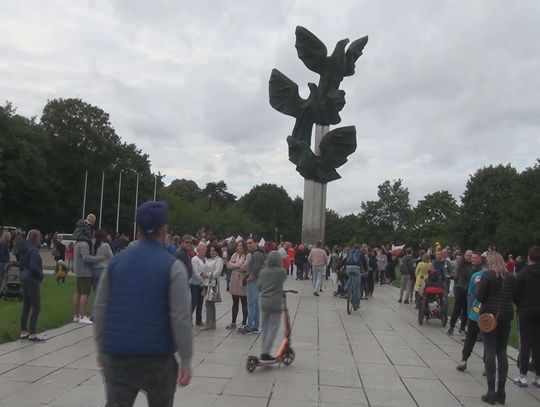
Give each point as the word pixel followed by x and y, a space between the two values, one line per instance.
pixel 82 267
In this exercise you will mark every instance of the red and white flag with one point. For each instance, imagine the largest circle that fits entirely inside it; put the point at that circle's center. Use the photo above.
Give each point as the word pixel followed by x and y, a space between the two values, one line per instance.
pixel 396 250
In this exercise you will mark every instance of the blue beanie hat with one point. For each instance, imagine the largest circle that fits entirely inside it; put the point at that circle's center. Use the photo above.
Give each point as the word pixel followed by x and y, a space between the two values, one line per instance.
pixel 151 216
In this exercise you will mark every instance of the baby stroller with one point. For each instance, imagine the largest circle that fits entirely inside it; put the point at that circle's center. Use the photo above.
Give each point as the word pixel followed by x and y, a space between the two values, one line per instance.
pixel 342 278
pixel 433 302
pixel 10 286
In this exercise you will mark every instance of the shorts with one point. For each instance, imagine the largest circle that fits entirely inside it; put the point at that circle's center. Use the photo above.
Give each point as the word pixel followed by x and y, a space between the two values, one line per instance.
pixel 84 285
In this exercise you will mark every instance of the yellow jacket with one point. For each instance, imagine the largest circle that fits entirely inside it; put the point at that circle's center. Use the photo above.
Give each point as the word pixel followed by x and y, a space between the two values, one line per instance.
pixel 422 272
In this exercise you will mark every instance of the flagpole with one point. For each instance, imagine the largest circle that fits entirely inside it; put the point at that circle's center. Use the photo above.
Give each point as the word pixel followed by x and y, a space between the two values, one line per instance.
pixel 136 201
pixel 118 205
pixel 84 199
pixel 155 187
pixel 101 201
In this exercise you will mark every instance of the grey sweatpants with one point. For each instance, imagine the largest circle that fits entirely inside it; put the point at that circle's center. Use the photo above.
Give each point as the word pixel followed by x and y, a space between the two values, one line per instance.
pixel 406 285
pixel 269 325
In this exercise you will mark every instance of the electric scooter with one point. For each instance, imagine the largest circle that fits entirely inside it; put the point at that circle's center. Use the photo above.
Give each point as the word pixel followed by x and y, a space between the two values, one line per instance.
pixel 285 354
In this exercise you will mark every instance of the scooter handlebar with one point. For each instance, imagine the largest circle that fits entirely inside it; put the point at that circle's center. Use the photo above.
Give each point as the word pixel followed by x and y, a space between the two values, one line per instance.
pixel 290 291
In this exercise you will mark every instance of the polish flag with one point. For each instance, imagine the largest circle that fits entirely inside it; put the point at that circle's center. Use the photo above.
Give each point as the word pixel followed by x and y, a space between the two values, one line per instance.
pixel 396 250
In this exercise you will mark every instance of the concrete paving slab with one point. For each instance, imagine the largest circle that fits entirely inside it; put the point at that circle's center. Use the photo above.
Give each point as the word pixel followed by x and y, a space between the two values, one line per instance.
pixel 377 356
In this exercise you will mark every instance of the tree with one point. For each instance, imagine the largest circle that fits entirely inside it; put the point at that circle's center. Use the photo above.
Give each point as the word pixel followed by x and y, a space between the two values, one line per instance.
pixel 25 193
pixel 519 226
pixel 217 195
pixel 434 218
pixel 270 206
pixel 187 190
pixel 488 194
pixel 386 218
pixel 82 139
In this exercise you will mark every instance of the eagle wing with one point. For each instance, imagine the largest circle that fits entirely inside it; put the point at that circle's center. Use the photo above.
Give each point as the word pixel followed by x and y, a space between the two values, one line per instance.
pixel 337 145
pixel 284 96
pixel 353 53
pixel 311 50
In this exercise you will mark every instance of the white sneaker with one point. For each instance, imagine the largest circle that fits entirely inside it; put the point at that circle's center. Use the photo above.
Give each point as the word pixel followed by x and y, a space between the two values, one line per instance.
pixel 536 382
pixel 85 321
pixel 76 318
pixel 521 381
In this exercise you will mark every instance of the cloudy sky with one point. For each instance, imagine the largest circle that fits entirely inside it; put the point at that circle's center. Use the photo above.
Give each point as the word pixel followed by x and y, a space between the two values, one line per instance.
pixel 443 87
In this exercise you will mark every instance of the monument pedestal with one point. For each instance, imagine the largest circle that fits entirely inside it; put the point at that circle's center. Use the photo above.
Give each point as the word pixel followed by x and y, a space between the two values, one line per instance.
pixel 314 209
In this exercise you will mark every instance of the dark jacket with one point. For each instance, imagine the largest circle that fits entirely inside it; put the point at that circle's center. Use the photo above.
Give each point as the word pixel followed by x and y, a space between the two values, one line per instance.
pixel 4 253
pixel 408 266
pixel 463 275
pixel 256 264
pixel 495 295
pixel 60 251
pixel 301 256
pixel 527 292
pixel 30 260
pixel 182 255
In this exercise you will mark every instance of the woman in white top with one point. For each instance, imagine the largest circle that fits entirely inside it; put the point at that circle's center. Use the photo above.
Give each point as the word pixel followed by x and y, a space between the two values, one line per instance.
pixel 212 270
pixel 196 282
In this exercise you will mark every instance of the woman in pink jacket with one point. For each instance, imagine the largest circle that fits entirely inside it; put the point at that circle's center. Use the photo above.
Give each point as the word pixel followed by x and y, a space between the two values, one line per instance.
pixel 238 264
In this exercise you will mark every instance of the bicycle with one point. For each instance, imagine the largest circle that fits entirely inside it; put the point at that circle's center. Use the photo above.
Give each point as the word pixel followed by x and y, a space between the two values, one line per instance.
pixel 352 301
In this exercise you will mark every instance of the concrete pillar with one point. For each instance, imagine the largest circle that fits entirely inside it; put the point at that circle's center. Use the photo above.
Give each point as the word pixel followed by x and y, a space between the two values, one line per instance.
pixel 314 210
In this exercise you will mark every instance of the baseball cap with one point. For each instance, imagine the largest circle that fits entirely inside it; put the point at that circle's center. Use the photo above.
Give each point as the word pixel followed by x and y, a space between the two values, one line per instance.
pixel 151 215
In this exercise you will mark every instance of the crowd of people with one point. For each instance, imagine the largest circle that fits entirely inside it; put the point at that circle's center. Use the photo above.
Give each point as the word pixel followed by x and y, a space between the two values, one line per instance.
pixel 481 284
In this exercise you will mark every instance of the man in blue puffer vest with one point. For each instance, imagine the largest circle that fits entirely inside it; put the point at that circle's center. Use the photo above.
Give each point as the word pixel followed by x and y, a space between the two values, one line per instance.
pixel 142 317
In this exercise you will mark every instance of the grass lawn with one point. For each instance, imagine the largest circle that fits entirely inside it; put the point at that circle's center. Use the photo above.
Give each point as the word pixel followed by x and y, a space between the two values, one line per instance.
pixel 56 308
pixel 512 340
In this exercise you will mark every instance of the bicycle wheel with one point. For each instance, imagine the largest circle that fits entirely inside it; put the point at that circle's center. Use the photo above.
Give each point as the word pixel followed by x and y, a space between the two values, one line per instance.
pixel 349 300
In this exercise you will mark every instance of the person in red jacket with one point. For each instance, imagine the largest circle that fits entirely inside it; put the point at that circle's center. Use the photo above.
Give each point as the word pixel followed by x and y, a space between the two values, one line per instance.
pixel 291 253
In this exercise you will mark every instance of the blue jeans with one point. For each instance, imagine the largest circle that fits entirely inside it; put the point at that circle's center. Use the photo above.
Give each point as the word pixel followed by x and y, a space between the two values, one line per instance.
pixel 354 273
pixel 318 272
pixel 96 275
pixel 253 305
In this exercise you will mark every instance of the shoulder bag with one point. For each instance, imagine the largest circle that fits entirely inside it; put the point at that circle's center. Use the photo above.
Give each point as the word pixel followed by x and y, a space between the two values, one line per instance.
pixel 487 322
pixel 214 293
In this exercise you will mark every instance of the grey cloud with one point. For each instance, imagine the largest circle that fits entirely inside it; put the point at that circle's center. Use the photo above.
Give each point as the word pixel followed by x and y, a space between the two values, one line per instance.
pixel 441 90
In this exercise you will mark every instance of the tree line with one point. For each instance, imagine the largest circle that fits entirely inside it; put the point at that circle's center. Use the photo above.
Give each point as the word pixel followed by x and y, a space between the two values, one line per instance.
pixel 43 164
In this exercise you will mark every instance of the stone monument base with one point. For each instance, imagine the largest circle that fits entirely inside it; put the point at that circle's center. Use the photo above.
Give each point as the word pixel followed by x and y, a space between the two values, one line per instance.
pixel 314 209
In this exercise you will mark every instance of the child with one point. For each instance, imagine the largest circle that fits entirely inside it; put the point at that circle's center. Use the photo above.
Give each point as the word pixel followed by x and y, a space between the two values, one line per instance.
pixel 270 283
pixel 60 272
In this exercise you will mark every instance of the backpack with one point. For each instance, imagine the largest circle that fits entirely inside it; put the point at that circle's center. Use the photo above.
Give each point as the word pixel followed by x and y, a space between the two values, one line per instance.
pixel 353 258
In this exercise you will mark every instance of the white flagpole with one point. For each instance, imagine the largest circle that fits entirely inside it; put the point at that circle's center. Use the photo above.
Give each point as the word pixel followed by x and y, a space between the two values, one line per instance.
pixel 155 187
pixel 84 199
pixel 118 205
pixel 101 201
pixel 136 201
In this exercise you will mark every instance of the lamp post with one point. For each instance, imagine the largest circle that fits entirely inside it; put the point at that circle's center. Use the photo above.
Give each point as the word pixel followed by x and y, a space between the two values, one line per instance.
pixel 275 235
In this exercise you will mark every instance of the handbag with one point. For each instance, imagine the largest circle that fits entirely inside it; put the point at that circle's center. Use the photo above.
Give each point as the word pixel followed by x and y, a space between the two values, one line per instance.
pixel 487 322
pixel 214 293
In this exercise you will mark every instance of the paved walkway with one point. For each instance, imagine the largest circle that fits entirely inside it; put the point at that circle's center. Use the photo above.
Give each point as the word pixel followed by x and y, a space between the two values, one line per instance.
pixel 378 356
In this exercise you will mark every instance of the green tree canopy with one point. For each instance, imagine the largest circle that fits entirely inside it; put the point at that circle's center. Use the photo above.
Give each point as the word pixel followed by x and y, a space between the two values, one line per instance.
pixel 217 196
pixel 185 189
pixel 487 196
pixel 25 193
pixel 434 217
pixel 271 207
